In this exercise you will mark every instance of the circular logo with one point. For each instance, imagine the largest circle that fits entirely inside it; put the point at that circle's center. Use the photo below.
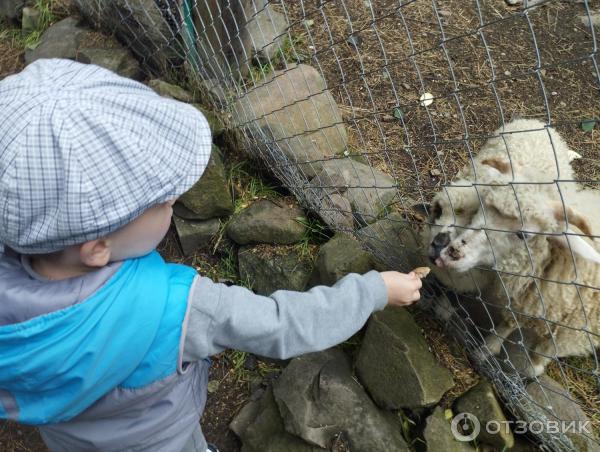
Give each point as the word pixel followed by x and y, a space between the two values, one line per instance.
pixel 465 427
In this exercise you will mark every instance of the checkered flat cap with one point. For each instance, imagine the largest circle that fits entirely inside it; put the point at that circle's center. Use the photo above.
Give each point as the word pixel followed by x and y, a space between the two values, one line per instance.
pixel 84 151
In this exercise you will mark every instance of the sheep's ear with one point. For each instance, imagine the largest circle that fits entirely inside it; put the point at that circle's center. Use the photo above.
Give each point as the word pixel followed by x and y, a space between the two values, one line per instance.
pixel 573 217
pixel 501 165
pixel 578 245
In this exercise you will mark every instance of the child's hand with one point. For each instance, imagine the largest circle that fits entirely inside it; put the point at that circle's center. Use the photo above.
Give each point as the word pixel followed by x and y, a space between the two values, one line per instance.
pixel 403 289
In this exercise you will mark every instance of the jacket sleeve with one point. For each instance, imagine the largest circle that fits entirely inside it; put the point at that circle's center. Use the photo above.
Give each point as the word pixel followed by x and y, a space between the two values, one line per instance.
pixel 283 325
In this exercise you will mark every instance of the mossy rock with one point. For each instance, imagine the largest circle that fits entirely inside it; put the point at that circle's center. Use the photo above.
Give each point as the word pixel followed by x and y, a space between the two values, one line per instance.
pixel 209 197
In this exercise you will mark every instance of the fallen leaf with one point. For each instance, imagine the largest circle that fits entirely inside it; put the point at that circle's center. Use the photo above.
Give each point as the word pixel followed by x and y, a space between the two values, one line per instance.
pixel 426 99
pixel 212 386
pixel 398 113
pixel 587 125
pixel 354 40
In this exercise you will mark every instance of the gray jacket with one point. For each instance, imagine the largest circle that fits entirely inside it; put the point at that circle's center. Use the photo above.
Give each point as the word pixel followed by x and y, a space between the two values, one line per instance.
pixel 157 418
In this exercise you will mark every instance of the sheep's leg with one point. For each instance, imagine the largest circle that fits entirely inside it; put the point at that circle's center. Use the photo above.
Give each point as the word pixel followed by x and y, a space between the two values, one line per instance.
pixel 542 355
pixel 564 342
pixel 494 341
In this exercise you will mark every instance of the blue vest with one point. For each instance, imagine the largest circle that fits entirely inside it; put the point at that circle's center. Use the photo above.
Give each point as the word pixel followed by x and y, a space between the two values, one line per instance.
pixel 126 335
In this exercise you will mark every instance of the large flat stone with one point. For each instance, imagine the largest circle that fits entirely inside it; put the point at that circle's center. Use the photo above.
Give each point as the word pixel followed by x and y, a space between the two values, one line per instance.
pixel 438 435
pixel 265 30
pixel 341 255
pixel 214 120
pixel 209 197
pixel 171 91
pixel 293 113
pixel 196 235
pixel 368 190
pixel 11 9
pixel 268 221
pixel 319 399
pixel 557 404
pixel 395 365
pixel 61 40
pixel 221 43
pixel 269 268
pixel 140 24
pixel 481 401
pixel 267 433
pixel 118 60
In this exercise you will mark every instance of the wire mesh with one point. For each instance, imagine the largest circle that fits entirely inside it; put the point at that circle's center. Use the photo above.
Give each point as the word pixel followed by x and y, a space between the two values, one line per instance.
pixel 367 110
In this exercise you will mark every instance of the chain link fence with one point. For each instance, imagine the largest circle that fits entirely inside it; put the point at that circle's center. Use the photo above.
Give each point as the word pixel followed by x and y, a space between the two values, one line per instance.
pixel 448 132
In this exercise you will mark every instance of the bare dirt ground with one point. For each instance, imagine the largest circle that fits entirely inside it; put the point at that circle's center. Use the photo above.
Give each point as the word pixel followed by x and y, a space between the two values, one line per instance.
pixel 483 62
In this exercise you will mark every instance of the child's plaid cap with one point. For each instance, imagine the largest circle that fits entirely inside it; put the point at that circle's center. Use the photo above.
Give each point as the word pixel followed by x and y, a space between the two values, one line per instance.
pixel 84 151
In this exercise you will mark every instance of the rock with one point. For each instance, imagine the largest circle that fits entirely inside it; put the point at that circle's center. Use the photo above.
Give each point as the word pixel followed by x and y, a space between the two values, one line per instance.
pixel 481 401
pixel 516 358
pixel 269 268
pixel 319 399
pixel 336 212
pixel 194 235
pixel 266 221
pixel 593 19
pixel 209 197
pixel 118 60
pixel 142 25
pixel 215 88
pixel 296 115
pixel 400 243
pixel 368 190
pixel 61 40
pixel 11 9
pixel 246 417
pixel 265 30
pixel 395 365
pixel 341 255
pixel 171 91
pixel 266 432
pixel 214 121
pixel 30 20
pixel 221 43
pixel 556 404
pixel 438 434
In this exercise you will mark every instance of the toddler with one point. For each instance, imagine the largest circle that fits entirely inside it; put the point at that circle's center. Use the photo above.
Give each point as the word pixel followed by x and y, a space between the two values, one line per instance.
pixel 103 344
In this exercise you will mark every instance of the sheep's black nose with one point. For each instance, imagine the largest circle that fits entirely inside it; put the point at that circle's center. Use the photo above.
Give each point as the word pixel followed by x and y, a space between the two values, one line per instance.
pixel 441 240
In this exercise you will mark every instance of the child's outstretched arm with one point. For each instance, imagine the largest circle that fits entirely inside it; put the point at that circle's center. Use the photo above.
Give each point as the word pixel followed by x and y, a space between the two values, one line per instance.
pixel 289 323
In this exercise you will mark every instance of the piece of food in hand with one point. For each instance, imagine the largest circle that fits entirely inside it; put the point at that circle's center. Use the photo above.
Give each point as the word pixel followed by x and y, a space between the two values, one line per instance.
pixel 421 272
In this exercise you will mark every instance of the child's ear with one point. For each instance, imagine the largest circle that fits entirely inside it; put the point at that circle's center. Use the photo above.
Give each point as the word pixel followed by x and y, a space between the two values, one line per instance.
pixel 95 253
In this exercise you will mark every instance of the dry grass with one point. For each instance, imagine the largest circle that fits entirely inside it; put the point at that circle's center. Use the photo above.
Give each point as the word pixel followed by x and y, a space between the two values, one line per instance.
pixel 406 51
pixel 575 373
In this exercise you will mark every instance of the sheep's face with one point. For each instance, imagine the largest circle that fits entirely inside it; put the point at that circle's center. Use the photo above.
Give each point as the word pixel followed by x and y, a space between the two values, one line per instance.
pixel 504 229
pixel 491 236
pixel 451 209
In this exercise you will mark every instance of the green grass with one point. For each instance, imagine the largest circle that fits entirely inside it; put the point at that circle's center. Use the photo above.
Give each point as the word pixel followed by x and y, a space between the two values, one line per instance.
pixel 15 37
pixel 316 233
pixel 291 50
pixel 247 186
pixel 31 40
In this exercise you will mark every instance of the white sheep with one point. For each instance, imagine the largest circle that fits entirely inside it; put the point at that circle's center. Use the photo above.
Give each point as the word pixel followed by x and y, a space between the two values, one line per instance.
pixel 505 210
pixel 547 265
pixel 523 151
